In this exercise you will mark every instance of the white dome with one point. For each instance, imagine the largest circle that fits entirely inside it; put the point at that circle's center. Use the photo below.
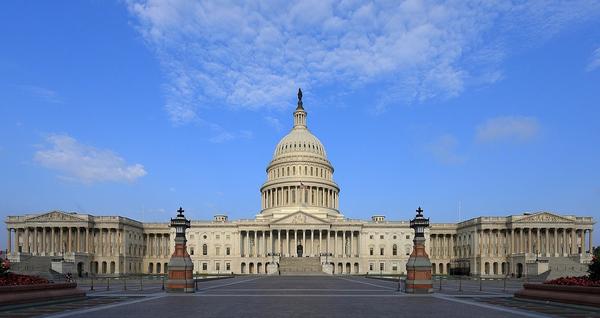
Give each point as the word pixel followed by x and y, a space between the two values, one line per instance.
pixel 299 178
pixel 300 141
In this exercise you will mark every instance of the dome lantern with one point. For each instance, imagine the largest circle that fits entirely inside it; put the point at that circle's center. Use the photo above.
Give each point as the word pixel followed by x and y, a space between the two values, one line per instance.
pixel 300 114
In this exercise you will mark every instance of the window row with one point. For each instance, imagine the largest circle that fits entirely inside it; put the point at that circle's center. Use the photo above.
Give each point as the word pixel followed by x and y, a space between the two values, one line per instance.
pixel 299 171
pixel 205 250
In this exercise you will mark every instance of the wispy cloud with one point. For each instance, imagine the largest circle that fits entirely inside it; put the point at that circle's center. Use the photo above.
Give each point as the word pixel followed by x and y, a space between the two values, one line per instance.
pixel 253 55
pixel 508 128
pixel 445 150
pixel 41 93
pixel 221 135
pixel 594 61
pixel 274 122
pixel 83 163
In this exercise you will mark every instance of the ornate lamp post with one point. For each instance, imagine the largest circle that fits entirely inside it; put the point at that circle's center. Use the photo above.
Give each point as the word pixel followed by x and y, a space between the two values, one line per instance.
pixel 418 267
pixel 180 265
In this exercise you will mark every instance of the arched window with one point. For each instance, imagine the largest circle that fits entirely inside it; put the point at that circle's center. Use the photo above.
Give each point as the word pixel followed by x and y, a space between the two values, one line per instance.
pixel 394 250
pixel 204 249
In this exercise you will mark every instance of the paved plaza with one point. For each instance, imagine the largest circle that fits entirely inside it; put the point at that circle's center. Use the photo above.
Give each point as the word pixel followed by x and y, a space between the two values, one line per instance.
pixel 301 296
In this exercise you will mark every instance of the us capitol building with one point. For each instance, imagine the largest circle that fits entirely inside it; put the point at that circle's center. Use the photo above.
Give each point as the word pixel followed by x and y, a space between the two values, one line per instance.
pixel 300 227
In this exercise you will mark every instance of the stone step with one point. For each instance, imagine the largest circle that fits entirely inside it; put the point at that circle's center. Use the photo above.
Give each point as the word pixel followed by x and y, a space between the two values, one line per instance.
pixel 300 266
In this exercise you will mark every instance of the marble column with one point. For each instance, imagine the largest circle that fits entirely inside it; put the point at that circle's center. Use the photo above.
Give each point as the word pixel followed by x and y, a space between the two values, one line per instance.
pixel 512 241
pixel 582 239
pixel 564 244
pixel 245 238
pixel 53 240
pixel 44 247
pixel 78 238
pixel 320 242
pixel 87 240
pixel 573 242
pixel 555 249
pixel 591 251
pixel 9 241
pixel 344 245
pixel 335 244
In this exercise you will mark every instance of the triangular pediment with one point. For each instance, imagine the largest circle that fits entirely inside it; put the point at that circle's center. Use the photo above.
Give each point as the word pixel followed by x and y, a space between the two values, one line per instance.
pixel 55 216
pixel 300 218
pixel 545 217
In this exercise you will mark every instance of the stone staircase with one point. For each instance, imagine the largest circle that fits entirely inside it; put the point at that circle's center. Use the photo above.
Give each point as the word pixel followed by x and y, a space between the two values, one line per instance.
pixel 564 266
pixel 300 266
pixel 37 266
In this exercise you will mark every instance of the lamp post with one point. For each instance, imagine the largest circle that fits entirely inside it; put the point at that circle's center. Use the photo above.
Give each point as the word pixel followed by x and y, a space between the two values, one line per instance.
pixel 181 268
pixel 418 267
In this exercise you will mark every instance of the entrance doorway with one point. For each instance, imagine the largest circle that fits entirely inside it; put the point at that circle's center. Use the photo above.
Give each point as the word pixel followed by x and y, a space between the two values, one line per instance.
pixel 80 269
pixel 300 250
pixel 519 270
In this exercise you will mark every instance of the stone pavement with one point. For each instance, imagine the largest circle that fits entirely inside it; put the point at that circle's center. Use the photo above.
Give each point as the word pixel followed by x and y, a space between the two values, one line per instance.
pixel 308 296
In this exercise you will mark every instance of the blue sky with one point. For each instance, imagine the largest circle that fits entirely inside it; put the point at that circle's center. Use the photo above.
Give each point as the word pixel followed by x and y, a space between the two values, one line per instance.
pixel 137 107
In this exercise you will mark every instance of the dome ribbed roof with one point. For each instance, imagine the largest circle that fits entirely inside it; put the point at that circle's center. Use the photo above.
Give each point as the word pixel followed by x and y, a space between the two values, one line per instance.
pixel 300 141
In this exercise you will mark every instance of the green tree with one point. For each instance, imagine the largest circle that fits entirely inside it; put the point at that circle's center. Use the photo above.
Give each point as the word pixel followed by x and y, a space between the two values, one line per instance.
pixel 594 267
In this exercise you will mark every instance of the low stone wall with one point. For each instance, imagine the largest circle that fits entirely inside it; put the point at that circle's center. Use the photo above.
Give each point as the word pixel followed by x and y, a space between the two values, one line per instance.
pixel 12 295
pixel 589 296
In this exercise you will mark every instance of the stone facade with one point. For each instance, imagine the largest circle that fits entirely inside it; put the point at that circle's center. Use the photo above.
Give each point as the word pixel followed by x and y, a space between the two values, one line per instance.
pixel 300 216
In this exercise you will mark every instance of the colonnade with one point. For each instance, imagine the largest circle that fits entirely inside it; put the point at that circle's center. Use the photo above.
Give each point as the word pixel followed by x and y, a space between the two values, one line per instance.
pixel 314 242
pixel 157 245
pixel 537 240
pixel 44 240
pixel 442 245
pixel 295 195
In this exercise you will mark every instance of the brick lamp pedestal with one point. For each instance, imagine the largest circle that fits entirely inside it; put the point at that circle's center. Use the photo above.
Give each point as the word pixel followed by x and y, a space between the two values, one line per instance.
pixel 181 268
pixel 418 267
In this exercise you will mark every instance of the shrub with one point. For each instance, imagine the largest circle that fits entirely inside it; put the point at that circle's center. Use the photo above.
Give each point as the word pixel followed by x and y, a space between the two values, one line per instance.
pixel 11 279
pixel 4 266
pixel 574 281
pixel 594 269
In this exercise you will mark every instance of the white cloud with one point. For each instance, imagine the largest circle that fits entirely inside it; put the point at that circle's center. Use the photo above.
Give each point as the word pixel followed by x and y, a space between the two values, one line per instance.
pixel 518 128
pixel 444 149
pixel 85 163
pixel 41 93
pixel 594 61
pixel 252 54
pixel 274 122
pixel 221 135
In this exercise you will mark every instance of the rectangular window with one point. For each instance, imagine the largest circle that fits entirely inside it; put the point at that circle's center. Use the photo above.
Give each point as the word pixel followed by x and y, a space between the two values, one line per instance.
pixel 227 251
pixel 394 268
pixel 218 266
pixel 371 266
pixel 381 251
pixel 227 266
pixel 382 266
pixel 371 237
pixel 192 251
pixel 204 266
pixel 408 237
pixel 218 237
pixel 381 237
pixel 371 251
